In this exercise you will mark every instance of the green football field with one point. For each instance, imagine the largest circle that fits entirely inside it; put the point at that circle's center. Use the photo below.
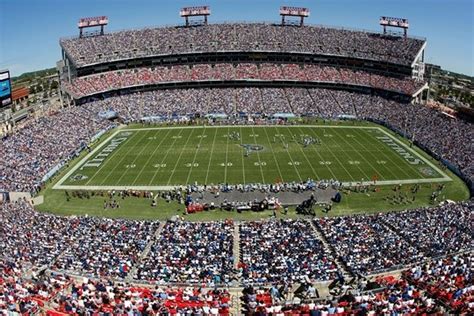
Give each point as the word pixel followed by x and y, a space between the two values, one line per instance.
pixel 159 157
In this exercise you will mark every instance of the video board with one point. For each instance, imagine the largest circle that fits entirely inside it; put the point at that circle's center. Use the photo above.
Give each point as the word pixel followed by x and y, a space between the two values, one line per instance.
pixel 5 89
pixel 193 11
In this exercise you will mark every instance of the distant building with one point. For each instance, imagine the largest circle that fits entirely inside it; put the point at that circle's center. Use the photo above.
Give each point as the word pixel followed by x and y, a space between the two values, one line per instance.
pixel 20 95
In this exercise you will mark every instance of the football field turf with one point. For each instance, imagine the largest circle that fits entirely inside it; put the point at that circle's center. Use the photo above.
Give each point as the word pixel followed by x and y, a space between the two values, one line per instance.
pixel 160 157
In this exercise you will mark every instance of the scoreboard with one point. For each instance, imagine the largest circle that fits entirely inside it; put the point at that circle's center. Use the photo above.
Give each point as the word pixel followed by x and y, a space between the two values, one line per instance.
pixel 5 89
pixel 294 11
pixel 195 11
pixel 395 22
pixel 93 21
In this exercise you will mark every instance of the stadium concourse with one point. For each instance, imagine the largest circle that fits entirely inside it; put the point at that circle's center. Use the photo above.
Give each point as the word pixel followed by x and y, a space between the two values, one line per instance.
pixel 86 265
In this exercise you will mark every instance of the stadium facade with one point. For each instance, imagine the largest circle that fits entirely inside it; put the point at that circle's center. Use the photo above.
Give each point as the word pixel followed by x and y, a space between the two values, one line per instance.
pixel 394 65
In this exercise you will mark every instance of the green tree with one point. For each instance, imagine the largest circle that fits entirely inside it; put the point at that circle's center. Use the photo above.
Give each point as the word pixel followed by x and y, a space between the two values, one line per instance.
pixel 54 85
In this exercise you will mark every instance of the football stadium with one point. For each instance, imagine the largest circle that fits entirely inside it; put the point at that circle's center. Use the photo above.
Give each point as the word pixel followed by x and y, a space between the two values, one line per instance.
pixel 238 168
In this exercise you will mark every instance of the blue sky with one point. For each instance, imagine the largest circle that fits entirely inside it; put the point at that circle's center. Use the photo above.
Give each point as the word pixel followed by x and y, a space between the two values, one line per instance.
pixel 30 29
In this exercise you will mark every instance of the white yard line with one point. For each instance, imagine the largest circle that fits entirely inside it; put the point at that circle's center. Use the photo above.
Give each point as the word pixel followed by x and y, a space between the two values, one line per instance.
pixel 122 159
pixel 319 155
pixel 195 155
pixel 291 159
pixel 226 156
pixel 179 158
pixel 368 177
pixel 245 126
pixel 258 155
pixel 335 157
pixel 274 156
pixel 151 156
pixel 164 158
pixel 210 157
pixel 242 155
pixel 445 176
pixel 135 159
pixel 304 154
pixel 104 163
pixel 170 187
pixel 402 170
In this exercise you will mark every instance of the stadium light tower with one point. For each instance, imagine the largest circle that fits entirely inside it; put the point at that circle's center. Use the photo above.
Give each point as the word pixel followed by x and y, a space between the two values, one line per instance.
pixel 188 12
pixel 386 21
pixel 92 22
pixel 293 11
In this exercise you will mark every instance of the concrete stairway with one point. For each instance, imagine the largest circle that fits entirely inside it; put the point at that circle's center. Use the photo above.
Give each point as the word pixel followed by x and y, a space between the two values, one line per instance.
pixel 145 252
pixel 236 248
pixel 329 249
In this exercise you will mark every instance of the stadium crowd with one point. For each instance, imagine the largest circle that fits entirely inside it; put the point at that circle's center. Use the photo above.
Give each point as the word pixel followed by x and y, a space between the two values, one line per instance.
pixel 42 143
pixel 107 297
pixel 120 79
pixel 185 252
pixel 100 247
pixel 436 231
pixel 271 252
pixel 131 44
pixel 448 279
pixel 440 286
pixel 30 238
pixel 79 245
pixel 365 245
pixel 190 253
pixel 374 243
pixel 20 295
pixel 284 251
